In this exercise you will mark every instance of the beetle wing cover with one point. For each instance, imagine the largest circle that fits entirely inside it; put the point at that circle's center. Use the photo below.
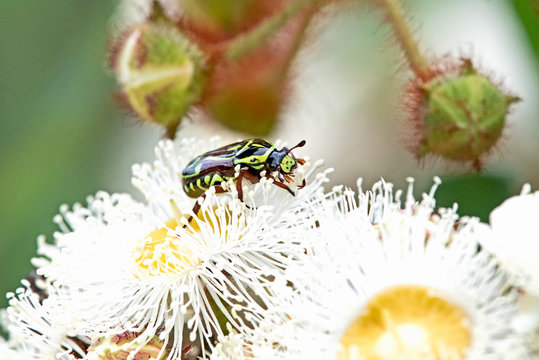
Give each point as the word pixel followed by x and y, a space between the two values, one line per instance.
pixel 256 150
pixel 218 158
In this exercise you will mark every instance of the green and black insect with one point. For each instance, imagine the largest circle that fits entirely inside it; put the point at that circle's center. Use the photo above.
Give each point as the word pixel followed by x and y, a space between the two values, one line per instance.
pixel 254 156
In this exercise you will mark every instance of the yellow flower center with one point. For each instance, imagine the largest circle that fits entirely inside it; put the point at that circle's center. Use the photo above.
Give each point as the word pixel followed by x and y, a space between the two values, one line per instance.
pixel 407 323
pixel 163 253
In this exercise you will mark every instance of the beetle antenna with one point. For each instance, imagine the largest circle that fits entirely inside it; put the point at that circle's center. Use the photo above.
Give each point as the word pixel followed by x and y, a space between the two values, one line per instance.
pixel 300 144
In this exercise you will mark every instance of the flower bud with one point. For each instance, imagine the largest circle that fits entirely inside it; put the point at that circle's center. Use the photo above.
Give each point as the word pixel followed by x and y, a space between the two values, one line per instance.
pixel 218 20
pixel 120 347
pixel 251 108
pixel 160 72
pixel 249 93
pixel 460 115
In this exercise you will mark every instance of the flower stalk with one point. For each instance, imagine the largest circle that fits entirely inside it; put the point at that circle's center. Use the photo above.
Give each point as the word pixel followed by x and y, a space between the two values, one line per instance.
pixel 416 60
pixel 249 41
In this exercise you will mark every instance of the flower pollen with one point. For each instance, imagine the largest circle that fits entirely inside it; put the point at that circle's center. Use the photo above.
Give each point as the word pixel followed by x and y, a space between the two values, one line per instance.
pixel 407 322
pixel 160 253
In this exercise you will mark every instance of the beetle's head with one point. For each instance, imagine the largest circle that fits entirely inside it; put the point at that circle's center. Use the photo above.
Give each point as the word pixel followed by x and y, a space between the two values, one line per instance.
pixel 288 164
pixel 284 161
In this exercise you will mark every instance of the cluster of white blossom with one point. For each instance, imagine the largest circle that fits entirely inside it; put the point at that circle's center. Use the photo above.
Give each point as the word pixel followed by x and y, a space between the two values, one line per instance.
pixel 319 275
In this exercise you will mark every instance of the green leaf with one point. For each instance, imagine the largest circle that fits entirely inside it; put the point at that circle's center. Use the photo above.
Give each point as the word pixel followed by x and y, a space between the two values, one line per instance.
pixel 476 195
pixel 528 13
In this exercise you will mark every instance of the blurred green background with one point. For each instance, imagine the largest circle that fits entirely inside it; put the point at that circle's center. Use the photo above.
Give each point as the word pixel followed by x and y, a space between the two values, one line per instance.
pixel 62 137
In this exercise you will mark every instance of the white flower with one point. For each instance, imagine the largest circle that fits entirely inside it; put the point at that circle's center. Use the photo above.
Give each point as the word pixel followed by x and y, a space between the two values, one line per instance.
pixel 385 281
pixel 7 353
pixel 230 346
pixel 515 238
pixel 119 266
pixel 37 330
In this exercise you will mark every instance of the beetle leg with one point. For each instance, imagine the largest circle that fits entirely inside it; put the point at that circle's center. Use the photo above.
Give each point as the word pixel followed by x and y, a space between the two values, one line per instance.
pixel 288 178
pixel 284 186
pixel 280 184
pixel 218 190
pixel 196 208
pixel 239 186
pixel 249 175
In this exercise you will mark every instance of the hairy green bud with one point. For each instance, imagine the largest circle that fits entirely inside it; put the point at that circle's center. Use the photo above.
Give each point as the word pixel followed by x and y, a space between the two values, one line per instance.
pixel 461 115
pixel 160 71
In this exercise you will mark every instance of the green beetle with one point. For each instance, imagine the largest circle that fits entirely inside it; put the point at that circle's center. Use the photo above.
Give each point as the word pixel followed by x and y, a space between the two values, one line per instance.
pixel 253 156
